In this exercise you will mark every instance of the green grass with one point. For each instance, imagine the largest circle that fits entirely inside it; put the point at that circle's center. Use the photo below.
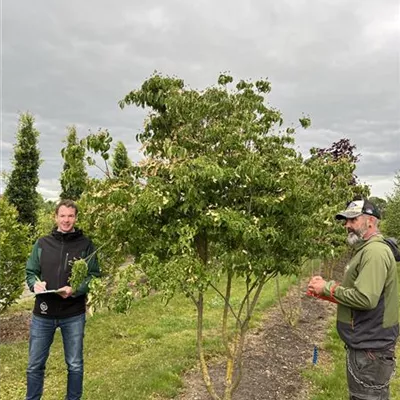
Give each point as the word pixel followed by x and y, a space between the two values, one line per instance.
pixel 24 304
pixel 329 380
pixel 138 355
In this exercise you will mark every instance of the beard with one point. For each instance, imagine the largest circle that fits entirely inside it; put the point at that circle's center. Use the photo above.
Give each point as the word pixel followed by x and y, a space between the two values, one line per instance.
pixel 353 239
pixel 356 236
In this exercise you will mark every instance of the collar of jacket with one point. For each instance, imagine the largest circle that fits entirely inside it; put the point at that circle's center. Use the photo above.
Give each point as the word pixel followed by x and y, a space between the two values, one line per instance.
pixel 66 236
pixel 375 238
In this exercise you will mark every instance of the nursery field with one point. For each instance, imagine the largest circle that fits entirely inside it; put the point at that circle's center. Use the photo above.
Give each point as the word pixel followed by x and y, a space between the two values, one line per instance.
pixel 150 352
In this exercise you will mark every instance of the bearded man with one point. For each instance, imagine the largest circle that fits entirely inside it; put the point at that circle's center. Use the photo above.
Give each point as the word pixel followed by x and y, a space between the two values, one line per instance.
pixel 368 304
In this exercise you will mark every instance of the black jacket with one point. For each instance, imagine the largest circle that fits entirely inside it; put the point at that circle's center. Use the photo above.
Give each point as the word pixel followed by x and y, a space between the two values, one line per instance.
pixel 51 261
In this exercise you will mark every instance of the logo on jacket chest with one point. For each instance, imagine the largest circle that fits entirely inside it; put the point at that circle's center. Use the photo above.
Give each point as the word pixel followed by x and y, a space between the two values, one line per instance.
pixel 43 307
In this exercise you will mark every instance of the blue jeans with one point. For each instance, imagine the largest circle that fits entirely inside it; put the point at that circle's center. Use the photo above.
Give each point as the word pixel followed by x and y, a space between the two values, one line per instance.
pixel 41 337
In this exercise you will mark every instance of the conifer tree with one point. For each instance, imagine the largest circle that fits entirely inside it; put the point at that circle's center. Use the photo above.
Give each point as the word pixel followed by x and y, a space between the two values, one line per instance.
pixel 120 163
pixel 392 211
pixel 21 188
pixel 74 175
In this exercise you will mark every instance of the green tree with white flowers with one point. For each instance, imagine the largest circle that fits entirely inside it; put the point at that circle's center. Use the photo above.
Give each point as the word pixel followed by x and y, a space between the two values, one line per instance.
pixel 221 194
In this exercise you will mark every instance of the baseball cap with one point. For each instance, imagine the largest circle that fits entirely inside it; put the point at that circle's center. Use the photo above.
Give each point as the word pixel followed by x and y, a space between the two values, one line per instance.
pixel 358 207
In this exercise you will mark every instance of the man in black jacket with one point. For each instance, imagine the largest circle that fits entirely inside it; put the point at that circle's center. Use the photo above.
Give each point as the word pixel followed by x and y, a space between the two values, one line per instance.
pixel 47 274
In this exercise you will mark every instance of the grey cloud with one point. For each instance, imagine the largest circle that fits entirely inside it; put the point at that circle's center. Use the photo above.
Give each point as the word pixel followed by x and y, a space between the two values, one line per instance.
pixel 379 164
pixel 70 63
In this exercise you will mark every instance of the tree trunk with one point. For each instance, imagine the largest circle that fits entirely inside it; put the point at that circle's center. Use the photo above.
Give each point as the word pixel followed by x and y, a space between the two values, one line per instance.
pixel 202 250
pixel 200 349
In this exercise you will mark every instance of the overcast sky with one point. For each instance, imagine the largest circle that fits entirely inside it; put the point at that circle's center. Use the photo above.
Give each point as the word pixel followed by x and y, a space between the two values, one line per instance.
pixel 70 62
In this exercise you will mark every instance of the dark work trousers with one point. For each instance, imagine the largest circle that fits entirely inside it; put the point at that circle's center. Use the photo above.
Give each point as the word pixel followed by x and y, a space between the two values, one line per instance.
pixel 369 373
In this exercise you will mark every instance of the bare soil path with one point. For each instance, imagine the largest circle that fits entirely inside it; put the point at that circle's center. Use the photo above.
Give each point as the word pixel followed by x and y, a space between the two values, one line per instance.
pixel 275 355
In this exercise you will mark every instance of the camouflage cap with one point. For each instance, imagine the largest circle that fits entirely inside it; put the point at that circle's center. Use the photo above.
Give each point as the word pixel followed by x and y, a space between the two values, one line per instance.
pixel 359 207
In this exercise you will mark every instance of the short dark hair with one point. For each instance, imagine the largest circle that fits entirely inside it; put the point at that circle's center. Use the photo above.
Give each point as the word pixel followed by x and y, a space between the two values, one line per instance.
pixel 67 203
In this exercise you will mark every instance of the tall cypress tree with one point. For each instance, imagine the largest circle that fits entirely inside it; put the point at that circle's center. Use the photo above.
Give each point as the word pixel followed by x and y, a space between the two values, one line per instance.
pixel 74 175
pixel 391 222
pixel 21 187
pixel 121 163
